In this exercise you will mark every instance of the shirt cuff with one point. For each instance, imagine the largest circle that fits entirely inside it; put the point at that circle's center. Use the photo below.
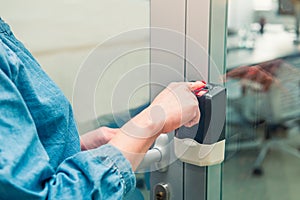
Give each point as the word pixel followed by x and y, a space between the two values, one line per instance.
pixel 116 160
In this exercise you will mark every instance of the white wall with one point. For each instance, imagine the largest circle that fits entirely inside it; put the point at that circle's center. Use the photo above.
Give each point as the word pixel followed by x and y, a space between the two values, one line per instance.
pixel 61 34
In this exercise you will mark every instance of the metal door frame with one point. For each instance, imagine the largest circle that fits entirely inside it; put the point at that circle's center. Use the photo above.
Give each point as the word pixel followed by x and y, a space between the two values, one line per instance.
pixel 192 22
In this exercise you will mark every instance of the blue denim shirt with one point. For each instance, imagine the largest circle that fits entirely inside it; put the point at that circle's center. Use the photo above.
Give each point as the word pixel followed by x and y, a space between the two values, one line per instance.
pixel 40 155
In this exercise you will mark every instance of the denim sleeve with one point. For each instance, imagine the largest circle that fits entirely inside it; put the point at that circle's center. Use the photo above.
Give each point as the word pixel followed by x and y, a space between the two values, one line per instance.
pixel 25 172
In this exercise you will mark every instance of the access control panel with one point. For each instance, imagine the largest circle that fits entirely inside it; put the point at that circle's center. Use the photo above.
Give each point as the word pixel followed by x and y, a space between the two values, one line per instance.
pixel 204 143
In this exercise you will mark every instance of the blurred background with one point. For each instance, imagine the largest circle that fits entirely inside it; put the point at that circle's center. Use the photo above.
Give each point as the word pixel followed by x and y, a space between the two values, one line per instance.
pixel 262 157
pixel 263 136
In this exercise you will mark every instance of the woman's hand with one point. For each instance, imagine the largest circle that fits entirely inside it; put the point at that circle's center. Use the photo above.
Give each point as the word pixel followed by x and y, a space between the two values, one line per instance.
pixel 173 107
pixel 177 105
pixel 96 138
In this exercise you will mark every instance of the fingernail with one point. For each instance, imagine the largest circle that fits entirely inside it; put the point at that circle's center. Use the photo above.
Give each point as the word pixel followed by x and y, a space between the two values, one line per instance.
pixel 202 92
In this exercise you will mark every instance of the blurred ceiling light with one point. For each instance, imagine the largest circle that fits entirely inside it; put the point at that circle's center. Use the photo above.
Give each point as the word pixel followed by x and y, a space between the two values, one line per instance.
pixel 262 5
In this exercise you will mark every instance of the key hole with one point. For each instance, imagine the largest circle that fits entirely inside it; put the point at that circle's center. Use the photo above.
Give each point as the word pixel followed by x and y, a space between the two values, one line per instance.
pixel 160 196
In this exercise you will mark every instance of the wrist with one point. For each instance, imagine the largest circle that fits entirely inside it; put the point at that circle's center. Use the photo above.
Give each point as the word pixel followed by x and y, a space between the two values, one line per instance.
pixel 136 137
pixel 148 123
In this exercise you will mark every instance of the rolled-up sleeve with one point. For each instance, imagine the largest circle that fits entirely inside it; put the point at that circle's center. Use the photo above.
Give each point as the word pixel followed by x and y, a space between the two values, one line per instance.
pixel 102 173
pixel 25 172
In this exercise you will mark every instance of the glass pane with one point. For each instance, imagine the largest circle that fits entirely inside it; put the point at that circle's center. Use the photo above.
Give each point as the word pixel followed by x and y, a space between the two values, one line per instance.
pixel 216 71
pixel 96 51
pixel 263 84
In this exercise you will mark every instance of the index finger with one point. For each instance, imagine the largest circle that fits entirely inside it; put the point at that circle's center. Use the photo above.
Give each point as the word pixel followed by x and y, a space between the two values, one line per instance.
pixel 196 85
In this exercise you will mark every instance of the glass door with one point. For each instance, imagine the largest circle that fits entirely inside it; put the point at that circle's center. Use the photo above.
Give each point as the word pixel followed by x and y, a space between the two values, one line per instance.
pixel 188 43
pixel 147 45
pixel 262 151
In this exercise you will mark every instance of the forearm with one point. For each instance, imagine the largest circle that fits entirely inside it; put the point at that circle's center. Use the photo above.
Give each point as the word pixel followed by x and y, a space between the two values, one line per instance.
pixel 135 137
pixel 133 149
